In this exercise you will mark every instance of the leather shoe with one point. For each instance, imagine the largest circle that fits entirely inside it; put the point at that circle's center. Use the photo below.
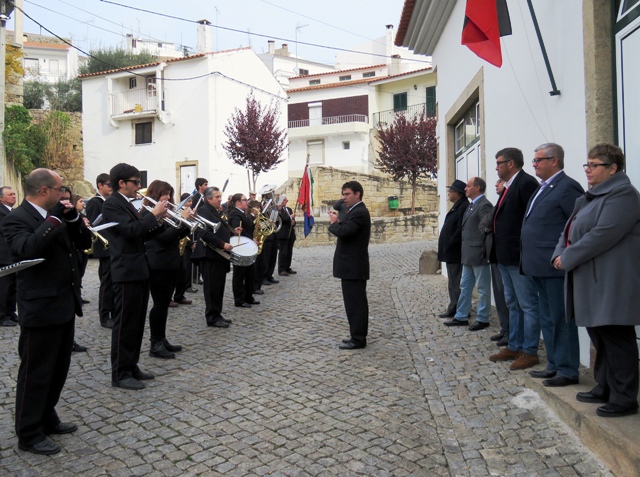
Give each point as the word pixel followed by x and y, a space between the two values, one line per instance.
pixel 615 410
pixel 107 323
pixel 447 314
pixel 128 383
pixel 44 447
pixel 62 428
pixel 184 301
pixel 352 345
pixel 497 337
pixel 272 280
pixel 169 347
pixel 267 283
pixel 478 325
pixel 253 302
pixel 8 322
pixel 347 340
pixel 219 317
pixel 191 290
pixel 503 342
pixel 219 323
pixel 283 274
pixel 258 292
pixel 542 374
pixel 291 272
pixel 559 381
pixel 159 351
pixel 504 355
pixel 78 348
pixel 243 305
pixel 173 304
pixel 588 396
pixel 455 322
pixel 141 375
pixel 84 301
pixel 524 361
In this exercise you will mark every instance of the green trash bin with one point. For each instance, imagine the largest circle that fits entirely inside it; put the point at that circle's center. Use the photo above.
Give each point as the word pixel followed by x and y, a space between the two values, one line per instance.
pixel 393 202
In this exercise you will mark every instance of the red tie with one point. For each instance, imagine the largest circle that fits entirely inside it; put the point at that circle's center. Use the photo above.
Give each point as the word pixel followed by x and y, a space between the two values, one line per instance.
pixel 504 193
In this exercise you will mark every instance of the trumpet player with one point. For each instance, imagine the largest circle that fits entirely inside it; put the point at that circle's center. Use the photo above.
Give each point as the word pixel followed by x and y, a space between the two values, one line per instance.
pixel 163 255
pixel 130 274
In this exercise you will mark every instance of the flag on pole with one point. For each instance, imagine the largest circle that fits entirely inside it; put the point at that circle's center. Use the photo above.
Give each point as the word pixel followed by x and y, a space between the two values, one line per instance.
pixel 305 199
pixel 485 21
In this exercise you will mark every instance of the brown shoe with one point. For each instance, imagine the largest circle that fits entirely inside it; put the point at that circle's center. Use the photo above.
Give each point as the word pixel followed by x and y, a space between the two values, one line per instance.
pixel 173 304
pixel 524 361
pixel 505 354
pixel 184 301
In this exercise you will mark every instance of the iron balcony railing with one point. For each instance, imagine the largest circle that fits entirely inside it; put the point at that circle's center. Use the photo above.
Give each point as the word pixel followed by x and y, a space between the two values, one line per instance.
pixel 346 118
pixel 383 118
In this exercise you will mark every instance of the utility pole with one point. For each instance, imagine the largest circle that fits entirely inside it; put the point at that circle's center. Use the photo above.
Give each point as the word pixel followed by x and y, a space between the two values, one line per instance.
pixel 6 7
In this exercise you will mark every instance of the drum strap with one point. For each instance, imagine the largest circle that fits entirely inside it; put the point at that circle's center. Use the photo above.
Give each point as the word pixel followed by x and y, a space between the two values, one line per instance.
pixel 216 249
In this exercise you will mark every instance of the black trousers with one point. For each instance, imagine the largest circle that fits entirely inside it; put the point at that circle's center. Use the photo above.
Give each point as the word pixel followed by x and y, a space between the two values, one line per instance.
pixel 498 296
pixel 8 297
pixel 183 279
pixel 161 285
pixel 354 294
pixel 130 300
pixel 454 272
pixel 272 258
pixel 243 284
pixel 285 253
pixel 45 354
pixel 262 263
pixel 105 296
pixel 214 276
pixel 616 367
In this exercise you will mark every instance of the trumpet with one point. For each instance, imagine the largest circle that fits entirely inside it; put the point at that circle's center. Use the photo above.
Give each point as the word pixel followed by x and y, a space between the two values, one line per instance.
pixel 95 236
pixel 174 219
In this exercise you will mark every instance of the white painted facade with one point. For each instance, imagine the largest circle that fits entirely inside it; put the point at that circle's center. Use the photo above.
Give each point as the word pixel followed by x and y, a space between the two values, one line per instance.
pixel 188 103
pixel 160 49
pixel 284 65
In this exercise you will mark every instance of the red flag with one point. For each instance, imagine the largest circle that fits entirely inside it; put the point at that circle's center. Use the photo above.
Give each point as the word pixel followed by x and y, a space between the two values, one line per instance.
pixel 485 22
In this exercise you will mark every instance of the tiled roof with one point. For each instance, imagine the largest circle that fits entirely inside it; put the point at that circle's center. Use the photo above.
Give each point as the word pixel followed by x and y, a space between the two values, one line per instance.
pixel 405 18
pixel 407 73
pixel 48 46
pixel 328 85
pixel 340 71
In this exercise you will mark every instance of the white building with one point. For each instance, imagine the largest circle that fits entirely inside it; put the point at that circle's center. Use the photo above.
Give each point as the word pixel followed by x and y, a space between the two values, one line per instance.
pixel 283 64
pixel 162 50
pixel 168 118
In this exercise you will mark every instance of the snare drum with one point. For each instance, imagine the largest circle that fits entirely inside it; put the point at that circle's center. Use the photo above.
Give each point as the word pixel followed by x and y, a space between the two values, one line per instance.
pixel 245 251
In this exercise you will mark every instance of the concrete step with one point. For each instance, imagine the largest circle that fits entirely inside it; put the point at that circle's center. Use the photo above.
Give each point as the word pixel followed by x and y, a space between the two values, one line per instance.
pixel 614 440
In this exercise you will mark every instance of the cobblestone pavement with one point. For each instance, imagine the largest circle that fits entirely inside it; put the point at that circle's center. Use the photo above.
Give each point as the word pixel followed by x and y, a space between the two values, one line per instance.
pixel 273 395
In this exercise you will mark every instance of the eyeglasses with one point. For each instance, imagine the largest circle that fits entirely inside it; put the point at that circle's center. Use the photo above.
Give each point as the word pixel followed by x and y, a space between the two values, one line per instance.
pixel 135 181
pixel 244 200
pixel 62 189
pixel 107 184
pixel 594 165
pixel 538 160
pixel 502 162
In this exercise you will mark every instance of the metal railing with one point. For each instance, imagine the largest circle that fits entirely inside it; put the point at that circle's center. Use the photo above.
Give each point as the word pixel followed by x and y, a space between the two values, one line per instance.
pixel 135 101
pixel 346 118
pixel 384 118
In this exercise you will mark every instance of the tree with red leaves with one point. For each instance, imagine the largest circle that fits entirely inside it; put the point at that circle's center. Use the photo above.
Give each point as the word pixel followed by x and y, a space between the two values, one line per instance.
pixel 409 149
pixel 254 139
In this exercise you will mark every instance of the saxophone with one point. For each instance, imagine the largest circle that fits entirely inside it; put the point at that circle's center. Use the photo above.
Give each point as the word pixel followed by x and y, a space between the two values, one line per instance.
pixel 183 244
pixel 262 228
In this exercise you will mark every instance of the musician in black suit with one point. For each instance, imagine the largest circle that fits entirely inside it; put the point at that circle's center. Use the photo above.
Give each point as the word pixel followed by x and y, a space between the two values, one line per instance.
pixel 8 316
pixel 351 260
pixel 198 198
pixel 243 277
pixel 286 237
pixel 130 274
pixel 48 300
pixel 213 263
pixel 93 210
pixel 163 256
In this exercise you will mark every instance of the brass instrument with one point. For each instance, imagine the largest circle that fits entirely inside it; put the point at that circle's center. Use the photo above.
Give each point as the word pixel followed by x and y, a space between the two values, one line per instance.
pixel 95 236
pixel 262 228
pixel 184 241
pixel 175 218
pixel 270 208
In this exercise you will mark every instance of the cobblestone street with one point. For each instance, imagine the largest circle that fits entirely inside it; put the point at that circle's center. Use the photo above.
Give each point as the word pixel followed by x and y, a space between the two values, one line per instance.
pixel 273 394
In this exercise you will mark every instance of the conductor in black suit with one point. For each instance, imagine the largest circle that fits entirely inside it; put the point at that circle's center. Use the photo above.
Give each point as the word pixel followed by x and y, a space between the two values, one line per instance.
pixel 130 274
pixel 286 237
pixel 352 226
pixel 243 277
pixel 8 316
pixel 48 300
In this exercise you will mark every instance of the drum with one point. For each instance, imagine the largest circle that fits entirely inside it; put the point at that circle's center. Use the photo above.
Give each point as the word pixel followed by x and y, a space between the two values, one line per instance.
pixel 245 251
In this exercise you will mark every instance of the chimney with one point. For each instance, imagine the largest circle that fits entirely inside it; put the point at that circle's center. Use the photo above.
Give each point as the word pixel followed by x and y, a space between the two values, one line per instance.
pixel 204 44
pixel 129 42
pixel 389 44
pixel 394 67
pixel 272 47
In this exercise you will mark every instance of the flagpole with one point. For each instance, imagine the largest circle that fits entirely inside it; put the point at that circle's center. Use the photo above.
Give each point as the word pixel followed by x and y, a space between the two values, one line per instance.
pixel 555 91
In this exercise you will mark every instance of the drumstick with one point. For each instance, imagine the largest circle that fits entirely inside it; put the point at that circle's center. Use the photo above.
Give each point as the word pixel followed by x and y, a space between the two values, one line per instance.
pixel 240 244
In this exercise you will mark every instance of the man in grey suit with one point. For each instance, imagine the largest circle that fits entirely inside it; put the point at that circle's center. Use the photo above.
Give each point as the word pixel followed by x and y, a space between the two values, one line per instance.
pixel 547 213
pixel 475 263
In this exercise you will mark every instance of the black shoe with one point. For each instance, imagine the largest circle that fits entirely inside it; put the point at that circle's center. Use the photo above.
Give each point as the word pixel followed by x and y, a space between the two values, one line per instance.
pixel 478 325
pixel 191 290
pixel 497 337
pixel 159 351
pixel 78 348
pixel 542 374
pixel 200 282
pixel 614 410
pixel 169 347
pixel 283 274
pixel 455 322
pixel 447 314
pixel 351 345
pixel 503 342
pixel 272 280
pixel 258 292
pixel 107 323
pixel 291 272
pixel 8 322
pixel 588 396
pixel 559 381
pixel 44 447
pixel 62 428
pixel 220 323
pixel 266 283
pixel 347 340
pixel 253 302
pixel 84 301
pixel 243 305
pixel 210 323
pixel 128 383
pixel 141 375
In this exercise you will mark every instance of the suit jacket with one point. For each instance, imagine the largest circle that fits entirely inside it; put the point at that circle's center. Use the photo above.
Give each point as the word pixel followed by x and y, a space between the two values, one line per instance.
pixel 5 253
pixel 508 216
pixel 218 239
pixel 544 224
pixel 163 252
pixel 288 230
pixel 47 293
pixel 351 258
pixel 450 240
pixel 474 224
pixel 127 257
pixel 93 210
pixel 238 218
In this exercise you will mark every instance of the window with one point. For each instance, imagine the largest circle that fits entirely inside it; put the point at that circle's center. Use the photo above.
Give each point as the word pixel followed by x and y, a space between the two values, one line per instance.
pixel 54 66
pixel 400 102
pixel 143 179
pixel 467 130
pixel 345 78
pixel 315 150
pixel 143 132
pixel 32 66
pixel 314 82
pixel 303 72
pixel 151 86
pixel 431 102
pixel 369 74
pixel 315 114
pixel 133 83
pixel 346 145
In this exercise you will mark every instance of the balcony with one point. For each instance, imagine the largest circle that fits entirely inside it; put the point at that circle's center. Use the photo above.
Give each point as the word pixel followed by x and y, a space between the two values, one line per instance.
pixel 347 118
pixel 384 118
pixel 135 103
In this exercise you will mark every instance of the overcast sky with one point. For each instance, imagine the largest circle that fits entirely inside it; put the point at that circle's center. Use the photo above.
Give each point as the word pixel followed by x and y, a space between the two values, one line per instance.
pixel 335 23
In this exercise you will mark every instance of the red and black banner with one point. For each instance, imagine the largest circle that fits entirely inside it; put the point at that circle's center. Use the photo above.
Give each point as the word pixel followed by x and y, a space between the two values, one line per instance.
pixel 485 21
